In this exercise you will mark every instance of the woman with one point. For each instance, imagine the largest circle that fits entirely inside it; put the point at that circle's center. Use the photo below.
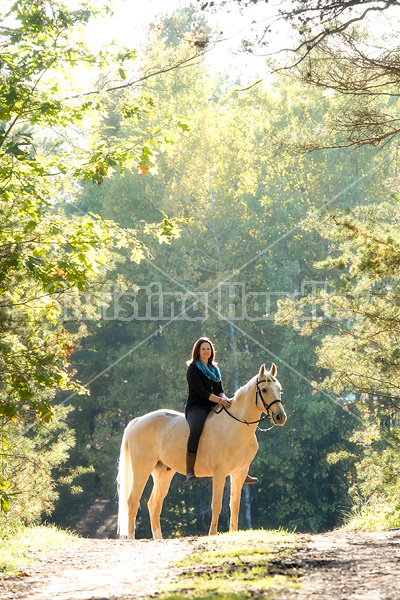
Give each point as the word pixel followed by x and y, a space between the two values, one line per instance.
pixel 205 391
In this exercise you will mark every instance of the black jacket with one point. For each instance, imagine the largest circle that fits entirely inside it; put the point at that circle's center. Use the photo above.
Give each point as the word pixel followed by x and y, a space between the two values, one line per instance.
pixel 200 388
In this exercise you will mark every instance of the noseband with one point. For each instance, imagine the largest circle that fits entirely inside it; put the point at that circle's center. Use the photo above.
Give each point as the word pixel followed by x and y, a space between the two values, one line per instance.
pixel 267 407
pixel 259 393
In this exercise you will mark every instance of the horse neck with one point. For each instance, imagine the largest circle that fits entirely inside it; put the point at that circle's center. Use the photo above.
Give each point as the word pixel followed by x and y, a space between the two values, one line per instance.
pixel 245 407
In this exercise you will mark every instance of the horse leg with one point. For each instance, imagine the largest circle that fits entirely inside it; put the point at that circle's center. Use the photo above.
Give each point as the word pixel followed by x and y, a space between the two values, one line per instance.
pixel 139 481
pixel 162 479
pixel 216 504
pixel 237 482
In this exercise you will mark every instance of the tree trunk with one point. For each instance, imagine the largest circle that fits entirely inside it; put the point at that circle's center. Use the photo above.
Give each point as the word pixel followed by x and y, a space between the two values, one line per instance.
pixel 247 499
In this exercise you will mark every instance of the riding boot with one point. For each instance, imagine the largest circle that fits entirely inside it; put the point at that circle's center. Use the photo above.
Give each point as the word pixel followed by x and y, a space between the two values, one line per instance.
pixel 190 460
pixel 250 479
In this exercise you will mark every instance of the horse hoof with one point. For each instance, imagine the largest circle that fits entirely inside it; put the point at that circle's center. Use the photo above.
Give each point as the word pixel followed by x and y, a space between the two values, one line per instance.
pixel 190 477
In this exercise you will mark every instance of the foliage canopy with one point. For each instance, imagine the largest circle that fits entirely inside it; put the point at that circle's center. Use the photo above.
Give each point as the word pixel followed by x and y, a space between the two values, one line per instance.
pixel 51 140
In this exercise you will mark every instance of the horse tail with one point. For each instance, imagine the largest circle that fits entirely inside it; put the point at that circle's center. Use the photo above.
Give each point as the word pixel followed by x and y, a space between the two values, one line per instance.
pixel 124 482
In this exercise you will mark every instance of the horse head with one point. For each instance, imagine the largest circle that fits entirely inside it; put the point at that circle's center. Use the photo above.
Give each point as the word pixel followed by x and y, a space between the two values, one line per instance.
pixel 268 394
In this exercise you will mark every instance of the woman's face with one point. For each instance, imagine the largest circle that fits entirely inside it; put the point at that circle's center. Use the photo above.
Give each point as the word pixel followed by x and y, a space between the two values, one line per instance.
pixel 205 352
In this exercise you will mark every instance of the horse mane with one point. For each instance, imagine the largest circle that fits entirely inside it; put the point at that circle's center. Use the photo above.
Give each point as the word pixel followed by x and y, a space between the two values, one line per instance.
pixel 244 389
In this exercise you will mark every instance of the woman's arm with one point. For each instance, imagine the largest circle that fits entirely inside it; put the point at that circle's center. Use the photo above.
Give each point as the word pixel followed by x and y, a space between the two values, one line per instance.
pixel 221 399
pixel 214 398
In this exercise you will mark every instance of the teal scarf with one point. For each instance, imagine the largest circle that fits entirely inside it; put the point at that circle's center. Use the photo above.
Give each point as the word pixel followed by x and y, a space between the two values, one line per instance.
pixel 211 372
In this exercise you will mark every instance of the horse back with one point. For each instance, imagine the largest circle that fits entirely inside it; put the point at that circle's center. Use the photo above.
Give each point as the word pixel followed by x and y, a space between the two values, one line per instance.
pixel 147 434
pixel 156 419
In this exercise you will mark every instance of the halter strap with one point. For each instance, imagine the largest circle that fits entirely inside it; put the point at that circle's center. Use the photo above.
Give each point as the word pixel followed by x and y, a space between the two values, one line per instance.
pixel 240 421
pixel 266 406
pixel 258 393
pixel 268 414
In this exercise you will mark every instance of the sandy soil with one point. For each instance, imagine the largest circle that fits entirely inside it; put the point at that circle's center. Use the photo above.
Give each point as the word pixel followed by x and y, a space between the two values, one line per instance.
pixel 333 566
pixel 345 566
pixel 98 570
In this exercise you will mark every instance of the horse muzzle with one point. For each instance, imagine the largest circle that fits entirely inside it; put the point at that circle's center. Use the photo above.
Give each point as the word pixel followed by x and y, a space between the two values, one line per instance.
pixel 279 418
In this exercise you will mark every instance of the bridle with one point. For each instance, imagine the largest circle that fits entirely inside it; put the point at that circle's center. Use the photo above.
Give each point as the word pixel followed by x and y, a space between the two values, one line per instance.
pixel 268 413
pixel 259 393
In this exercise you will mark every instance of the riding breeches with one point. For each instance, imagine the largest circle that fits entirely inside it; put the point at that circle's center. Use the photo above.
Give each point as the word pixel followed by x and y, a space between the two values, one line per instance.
pixel 196 417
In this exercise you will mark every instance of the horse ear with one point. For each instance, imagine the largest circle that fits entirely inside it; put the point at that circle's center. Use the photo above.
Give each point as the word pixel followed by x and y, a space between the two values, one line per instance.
pixel 262 371
pixel 273 370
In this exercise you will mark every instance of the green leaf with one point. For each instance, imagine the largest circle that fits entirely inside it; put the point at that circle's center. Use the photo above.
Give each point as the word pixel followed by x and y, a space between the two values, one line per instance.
pixel 5 504
pixel 14 150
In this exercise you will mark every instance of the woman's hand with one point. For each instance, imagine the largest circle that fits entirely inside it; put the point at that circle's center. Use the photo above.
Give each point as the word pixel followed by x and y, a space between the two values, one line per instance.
pixel 226 402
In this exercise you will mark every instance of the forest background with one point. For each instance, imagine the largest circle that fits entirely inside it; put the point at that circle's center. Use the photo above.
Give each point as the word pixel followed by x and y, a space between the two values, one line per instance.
pixel 174 201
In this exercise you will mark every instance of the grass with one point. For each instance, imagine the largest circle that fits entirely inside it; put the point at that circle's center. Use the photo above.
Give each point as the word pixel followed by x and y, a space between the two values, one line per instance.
pixel 234 566
pixel 375 516
pixel 14 545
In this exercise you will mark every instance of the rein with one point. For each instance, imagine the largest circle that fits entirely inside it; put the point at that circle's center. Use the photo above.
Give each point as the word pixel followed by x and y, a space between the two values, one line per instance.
pixel 268 414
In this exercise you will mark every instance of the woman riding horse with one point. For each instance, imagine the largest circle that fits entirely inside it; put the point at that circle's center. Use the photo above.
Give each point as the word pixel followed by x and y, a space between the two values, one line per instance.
pixel 205 391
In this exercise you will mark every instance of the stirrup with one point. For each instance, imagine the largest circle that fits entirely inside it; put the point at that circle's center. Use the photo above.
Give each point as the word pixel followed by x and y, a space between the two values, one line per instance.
pixel 250 479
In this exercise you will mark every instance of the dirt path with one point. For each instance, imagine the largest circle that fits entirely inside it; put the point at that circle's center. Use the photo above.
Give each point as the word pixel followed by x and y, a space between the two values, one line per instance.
pixel 333 566
pixel 98 570
pixel 345 566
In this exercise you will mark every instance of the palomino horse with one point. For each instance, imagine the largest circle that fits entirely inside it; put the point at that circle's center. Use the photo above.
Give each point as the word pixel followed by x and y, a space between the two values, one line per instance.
pixel 156 444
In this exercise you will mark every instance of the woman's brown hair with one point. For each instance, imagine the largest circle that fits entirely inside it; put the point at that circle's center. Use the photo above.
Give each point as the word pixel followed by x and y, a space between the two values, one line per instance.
pixel 196 351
